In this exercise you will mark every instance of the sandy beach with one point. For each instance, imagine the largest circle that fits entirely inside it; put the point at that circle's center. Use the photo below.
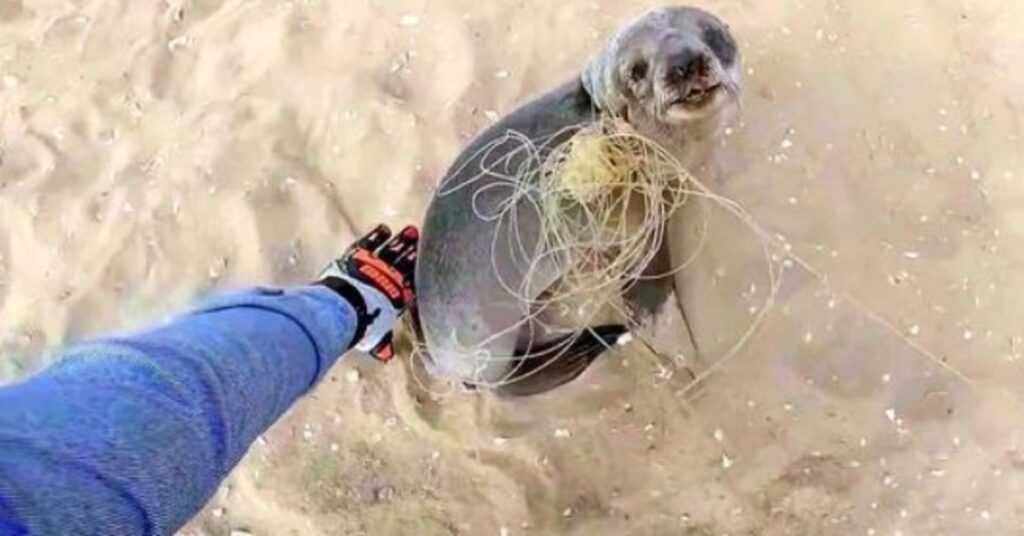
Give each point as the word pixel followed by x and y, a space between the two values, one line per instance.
pixel 154 152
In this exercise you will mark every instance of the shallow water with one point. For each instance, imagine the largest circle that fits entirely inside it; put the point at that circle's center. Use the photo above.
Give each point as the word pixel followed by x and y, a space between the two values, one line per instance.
pixel 152 152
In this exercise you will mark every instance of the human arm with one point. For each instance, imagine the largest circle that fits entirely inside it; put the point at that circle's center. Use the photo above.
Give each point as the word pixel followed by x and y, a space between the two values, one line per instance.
pixel 132 435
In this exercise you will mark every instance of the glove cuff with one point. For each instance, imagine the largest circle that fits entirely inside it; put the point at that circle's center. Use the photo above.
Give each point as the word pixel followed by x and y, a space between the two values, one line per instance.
pixel 354 297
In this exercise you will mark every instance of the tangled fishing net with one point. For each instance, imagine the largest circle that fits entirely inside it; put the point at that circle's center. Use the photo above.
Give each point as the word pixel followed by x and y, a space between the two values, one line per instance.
pixel 602 194
pixel 602 199
pixel 605 198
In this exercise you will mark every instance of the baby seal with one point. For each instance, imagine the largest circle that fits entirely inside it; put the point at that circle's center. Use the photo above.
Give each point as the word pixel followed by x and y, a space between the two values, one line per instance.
pixel 673 75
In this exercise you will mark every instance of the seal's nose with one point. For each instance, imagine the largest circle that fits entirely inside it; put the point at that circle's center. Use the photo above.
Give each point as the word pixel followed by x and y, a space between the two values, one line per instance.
pixel 687 65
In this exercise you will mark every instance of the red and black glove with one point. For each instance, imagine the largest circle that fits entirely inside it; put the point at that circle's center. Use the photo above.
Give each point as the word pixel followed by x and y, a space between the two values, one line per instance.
pixel 375 275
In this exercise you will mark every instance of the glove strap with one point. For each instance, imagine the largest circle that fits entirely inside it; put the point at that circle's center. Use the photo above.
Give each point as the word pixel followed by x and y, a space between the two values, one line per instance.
pixel 349 293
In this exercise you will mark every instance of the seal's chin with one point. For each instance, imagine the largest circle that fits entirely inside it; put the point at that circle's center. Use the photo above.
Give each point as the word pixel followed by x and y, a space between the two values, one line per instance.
pixel 696 104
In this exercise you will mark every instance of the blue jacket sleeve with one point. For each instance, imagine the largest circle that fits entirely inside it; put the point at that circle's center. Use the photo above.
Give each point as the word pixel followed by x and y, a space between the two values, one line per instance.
pixel 132 435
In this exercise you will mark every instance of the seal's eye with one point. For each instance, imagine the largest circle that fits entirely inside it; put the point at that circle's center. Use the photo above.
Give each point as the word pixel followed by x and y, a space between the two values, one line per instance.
pixel 638 71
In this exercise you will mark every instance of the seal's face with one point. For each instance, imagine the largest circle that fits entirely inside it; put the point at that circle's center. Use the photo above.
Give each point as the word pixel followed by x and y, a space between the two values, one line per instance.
pixel 674 66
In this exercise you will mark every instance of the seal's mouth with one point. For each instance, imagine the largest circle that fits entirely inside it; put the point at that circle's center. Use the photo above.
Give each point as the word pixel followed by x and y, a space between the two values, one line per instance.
pixel 697 98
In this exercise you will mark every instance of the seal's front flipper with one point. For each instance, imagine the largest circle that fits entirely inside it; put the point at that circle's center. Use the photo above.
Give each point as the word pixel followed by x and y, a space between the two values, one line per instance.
pixel 543 367
pixel 656 307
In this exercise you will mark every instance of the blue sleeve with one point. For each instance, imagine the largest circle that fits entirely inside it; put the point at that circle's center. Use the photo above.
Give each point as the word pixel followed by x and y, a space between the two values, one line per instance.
pixel 132 435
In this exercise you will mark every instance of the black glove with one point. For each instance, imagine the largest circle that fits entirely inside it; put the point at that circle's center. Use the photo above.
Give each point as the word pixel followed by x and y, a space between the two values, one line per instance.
pixel 375 275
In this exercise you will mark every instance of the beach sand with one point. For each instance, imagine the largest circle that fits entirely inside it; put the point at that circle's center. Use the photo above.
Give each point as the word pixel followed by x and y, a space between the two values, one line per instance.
pixel 152 152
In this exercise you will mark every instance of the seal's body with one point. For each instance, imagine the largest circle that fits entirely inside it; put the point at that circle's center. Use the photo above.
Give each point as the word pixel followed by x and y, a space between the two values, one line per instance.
pixel 672 75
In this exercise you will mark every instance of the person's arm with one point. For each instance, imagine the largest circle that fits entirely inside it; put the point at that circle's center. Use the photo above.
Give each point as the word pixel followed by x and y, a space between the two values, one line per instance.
pixel 132 435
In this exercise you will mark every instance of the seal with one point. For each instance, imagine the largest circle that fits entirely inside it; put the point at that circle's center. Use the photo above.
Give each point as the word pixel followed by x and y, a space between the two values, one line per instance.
pixel 673 74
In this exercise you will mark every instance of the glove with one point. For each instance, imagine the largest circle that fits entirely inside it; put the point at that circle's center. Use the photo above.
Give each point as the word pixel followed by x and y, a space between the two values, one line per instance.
pixel 375 275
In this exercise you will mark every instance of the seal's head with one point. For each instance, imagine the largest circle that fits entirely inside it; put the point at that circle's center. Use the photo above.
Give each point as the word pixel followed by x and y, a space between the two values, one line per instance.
pixel 672 67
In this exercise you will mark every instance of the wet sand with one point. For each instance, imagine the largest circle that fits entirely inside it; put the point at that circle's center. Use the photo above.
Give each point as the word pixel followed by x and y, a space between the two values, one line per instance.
pixel 152 152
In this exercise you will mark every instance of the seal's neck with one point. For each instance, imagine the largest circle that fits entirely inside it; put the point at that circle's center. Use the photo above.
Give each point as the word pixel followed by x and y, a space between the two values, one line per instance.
pixel 694 144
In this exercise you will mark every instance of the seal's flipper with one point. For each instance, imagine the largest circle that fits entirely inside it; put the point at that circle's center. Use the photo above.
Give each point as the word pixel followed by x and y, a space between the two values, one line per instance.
pixel 544 367
pixel 654 304
pixel 647 295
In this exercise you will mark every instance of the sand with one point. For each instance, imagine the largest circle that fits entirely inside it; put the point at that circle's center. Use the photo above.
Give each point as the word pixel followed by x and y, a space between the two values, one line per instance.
pixel 151 152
